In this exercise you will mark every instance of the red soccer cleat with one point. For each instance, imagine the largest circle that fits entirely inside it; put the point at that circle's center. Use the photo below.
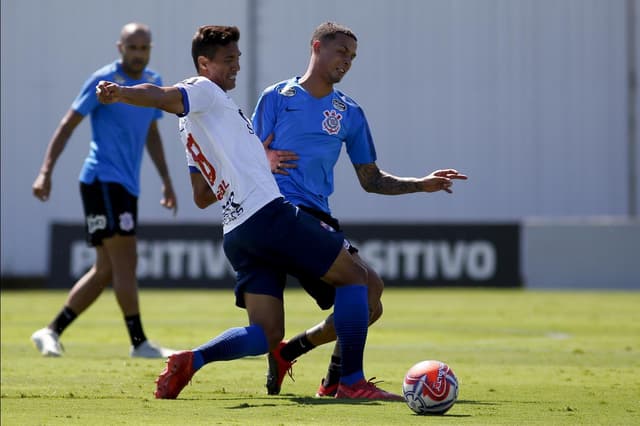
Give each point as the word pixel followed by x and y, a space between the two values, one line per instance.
pixel 327 390
pixel 278 368
pixel 365 390
pixel 175 375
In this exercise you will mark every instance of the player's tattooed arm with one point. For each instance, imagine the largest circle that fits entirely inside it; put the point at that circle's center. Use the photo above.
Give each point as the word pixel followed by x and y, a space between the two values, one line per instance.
pixel 377 181
pixel 372 179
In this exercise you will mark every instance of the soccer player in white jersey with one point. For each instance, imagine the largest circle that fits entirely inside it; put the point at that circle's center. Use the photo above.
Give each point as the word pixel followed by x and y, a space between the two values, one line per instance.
pixel 263 234
pixel 304 122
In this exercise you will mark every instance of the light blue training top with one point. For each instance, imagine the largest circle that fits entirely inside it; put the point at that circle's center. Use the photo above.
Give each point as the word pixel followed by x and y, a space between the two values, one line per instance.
pixel 315 129
pixel 119 131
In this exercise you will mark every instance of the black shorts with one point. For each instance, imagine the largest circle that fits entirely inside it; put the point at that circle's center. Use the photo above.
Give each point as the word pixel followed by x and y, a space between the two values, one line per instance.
pixel 323 293
pixel 109 209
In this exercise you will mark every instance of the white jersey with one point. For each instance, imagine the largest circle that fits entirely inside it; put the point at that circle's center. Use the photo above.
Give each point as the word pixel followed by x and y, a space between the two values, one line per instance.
pixel 219 140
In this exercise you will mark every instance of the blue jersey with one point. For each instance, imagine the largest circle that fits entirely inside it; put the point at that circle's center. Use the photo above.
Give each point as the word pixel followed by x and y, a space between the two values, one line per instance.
pixel 119 131
pixel 315 129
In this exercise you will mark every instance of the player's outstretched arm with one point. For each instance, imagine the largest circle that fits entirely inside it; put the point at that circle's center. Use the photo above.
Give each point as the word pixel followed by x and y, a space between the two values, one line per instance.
pixel 168 99
pixel 377 181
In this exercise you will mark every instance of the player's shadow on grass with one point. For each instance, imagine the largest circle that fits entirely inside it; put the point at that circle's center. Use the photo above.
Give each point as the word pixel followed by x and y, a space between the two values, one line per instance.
pixel 307 400
pixel 298 400
pixel 261 401
pixel 330 401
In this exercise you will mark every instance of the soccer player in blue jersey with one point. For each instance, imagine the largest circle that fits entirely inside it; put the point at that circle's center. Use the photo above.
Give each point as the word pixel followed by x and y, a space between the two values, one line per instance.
pixel 109 186
pixel 304 122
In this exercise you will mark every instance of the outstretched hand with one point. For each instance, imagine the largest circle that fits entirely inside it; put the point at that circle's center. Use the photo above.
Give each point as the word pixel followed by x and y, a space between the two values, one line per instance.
pixel 279 160
pixel 107 92
pixel 441 180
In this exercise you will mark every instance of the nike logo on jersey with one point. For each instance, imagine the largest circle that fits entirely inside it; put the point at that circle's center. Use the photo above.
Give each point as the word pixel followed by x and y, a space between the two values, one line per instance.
pixel 289 109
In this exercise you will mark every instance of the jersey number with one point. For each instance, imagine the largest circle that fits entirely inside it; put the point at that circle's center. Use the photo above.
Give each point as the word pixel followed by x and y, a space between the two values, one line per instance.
pixel 206 169
pixel 205 166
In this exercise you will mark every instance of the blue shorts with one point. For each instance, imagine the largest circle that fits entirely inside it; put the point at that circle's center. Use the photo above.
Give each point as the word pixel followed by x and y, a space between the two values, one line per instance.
pixel 277 240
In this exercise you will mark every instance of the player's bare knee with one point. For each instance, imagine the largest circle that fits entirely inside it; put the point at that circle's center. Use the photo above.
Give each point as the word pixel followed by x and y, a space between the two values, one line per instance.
pixel 103 274
pixel 346 271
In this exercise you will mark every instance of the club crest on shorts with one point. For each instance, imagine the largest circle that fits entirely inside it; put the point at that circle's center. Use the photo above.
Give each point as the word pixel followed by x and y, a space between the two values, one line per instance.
pixel 331 122
pixel 126 221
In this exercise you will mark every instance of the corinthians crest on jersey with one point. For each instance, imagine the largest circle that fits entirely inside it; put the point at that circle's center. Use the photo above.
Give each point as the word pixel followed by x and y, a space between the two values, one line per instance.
pixel 331 122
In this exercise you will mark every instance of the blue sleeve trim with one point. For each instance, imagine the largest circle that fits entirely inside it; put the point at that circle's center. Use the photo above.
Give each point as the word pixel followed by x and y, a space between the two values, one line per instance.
pixel 194 169
pixel 185 102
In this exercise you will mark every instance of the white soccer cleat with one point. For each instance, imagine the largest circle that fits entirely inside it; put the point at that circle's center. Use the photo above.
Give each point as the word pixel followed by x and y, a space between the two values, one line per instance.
pixel 47 342
pixel 149 350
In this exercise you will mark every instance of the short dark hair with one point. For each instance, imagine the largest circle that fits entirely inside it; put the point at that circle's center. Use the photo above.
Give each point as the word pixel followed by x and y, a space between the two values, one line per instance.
pixel 329 30
pixel 209 37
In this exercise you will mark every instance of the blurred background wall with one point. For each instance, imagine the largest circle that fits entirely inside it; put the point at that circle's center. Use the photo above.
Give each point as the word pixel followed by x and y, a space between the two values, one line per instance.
pixel 530 98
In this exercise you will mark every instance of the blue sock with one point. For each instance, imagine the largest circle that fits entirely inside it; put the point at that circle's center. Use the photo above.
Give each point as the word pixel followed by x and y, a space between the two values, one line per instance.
pixel 234 343
pixel 351 319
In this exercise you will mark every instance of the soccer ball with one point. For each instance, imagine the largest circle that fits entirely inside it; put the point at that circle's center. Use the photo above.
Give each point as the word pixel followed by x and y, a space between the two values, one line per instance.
pixel 430 387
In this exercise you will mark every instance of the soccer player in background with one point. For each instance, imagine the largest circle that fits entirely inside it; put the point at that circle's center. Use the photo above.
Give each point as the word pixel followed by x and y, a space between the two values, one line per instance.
pixel 109 186
pixel 304 121
pixel 264 235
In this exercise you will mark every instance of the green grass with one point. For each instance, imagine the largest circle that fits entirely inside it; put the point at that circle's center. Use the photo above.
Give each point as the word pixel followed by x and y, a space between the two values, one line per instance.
pixel 521 357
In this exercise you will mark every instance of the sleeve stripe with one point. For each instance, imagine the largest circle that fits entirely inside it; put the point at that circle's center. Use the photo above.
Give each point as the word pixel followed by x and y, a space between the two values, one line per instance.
pixel 185 102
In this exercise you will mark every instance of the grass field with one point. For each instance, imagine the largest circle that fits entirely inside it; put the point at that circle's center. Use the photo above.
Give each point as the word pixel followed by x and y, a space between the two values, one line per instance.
pixel 521 357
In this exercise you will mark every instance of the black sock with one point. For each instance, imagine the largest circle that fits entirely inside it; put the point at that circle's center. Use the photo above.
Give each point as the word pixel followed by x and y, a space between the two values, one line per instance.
pixel 62 321
pixel 136 334
pixel 334 371
pixel 296 346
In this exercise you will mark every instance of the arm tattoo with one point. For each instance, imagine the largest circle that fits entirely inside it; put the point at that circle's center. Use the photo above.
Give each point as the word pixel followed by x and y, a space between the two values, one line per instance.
pixel 372 179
